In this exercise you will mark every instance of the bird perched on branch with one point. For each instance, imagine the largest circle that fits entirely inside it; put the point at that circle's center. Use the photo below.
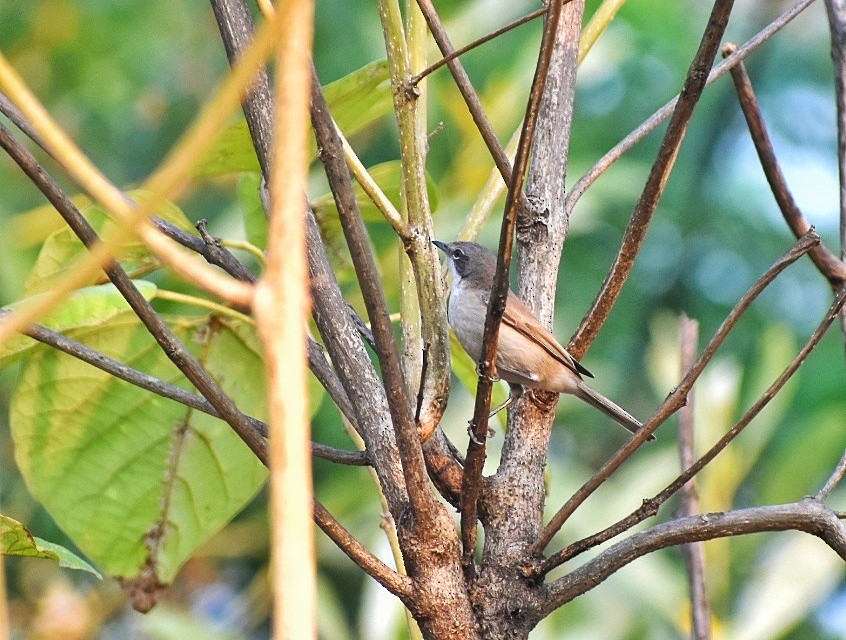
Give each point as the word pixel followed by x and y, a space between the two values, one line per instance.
pixel 527 354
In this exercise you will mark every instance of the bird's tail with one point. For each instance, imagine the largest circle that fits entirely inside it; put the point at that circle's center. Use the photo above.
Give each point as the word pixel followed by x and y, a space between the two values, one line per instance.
pixel 616 413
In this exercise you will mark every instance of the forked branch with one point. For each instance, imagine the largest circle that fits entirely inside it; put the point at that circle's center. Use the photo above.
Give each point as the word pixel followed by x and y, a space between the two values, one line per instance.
pixel 677 397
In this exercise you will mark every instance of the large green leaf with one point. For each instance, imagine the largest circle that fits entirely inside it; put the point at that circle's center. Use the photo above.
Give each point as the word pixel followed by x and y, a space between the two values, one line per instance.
pixel 138 482
pixel 88 307
pixel 356 101
pixel 16 540
pixel 62 249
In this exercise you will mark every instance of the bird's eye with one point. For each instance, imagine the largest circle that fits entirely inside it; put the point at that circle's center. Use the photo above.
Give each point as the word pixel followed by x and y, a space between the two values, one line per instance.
pixel 457 254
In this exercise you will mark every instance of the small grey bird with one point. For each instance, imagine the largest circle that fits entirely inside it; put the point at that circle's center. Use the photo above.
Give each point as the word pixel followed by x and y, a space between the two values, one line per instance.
pixel 527 354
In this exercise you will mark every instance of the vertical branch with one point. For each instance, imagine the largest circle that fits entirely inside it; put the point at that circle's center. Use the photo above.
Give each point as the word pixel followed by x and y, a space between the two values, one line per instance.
pixel 836 10
pixel 694 552
pixel 281 307
pixel 405 56
pixel 540 233
pixel 496 305
pixel 236 30
pixel 399 402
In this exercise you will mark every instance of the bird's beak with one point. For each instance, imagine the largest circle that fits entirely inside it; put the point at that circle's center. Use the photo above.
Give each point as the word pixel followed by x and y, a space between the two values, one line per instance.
pixel 443 246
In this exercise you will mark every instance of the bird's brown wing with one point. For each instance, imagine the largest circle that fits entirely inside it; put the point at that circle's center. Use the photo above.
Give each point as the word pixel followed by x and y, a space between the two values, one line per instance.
pixel 516 315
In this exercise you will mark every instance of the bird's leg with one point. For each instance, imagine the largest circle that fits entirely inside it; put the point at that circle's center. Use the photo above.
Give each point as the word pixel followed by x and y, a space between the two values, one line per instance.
pixel 514 392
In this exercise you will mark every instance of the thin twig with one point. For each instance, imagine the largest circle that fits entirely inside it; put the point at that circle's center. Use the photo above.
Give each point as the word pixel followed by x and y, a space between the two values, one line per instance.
pixel 650 506
pixel 8 109
pixel 675 399
pixel 415 80
pixel 167 390
pixel 694 552
pixel 834 479
pixel 465 87
pixel 694 84
pixel 373 191
pixel 475 459
pixel 170 344
pixel 648 126
pixel 836 10
pixel 828 264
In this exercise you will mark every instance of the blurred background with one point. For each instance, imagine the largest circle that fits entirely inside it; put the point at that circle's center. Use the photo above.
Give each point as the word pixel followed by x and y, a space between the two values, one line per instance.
pixel 125 79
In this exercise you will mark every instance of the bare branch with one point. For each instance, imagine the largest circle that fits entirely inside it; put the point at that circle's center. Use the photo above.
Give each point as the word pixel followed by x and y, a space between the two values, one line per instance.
pixel 650 506
pixel 408 441
pixel 676 398
pixel 398 584
pixel 828 264
pixel 834 479
pixel 694 552
pixel 235 23
pixel 496 305
pixel 168 390
pixel 836 10
pixel 471 98
pixel 654 188
pixel 415 80
pixel 808 515
pixel 666 111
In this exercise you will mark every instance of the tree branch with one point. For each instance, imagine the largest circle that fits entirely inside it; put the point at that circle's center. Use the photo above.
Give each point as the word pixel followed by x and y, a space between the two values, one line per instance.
pixel 650 506
pixel 694 552
pixel 582 185
pixel 235 23
pixel 415 80
pixel 828 264
pixel 169 343
pixel 654 188
pixel 808 515
pixel 465 87
pixel 170 391
pixel 398 584
pixel 399 404
pixel 676 398
pixel 475 458
pixel 425 323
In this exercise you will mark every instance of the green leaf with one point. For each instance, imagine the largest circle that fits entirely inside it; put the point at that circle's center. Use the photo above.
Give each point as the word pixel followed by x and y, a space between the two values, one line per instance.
pixel 137 481
pixel 356 101
pixel 88 307
pixel 360 98
pixel 16 540
pixel 255 217
pixel 388 176
pixel 62 249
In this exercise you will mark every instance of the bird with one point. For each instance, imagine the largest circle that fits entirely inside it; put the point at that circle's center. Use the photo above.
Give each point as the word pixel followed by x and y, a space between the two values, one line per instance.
pixel 527 354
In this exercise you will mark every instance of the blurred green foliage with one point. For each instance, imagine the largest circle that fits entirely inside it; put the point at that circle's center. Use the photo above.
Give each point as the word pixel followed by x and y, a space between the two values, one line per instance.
pixel 126 78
